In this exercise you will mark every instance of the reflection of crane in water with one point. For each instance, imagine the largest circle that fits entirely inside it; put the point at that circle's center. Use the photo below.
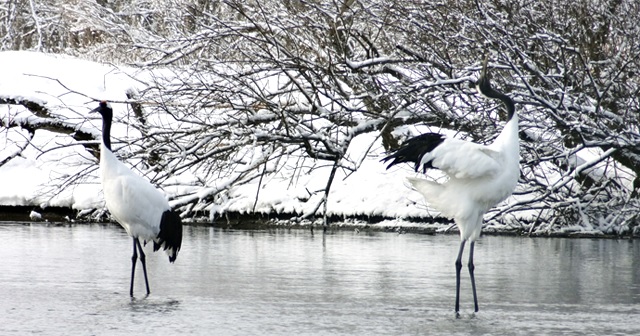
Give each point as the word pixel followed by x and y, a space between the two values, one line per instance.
pixel 137 205
pixel 479 176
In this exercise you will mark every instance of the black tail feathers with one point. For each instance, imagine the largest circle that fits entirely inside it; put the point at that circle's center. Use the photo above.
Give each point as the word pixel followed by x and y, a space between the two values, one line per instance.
pixel 170 236
pixel 414 149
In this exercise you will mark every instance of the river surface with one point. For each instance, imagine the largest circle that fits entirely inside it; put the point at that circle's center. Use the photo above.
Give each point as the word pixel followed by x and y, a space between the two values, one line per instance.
pixel 74 280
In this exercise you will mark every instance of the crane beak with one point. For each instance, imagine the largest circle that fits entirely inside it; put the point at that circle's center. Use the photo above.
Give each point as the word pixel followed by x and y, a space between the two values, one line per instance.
pixel 484 76
pixel 484 66
pixel 103 103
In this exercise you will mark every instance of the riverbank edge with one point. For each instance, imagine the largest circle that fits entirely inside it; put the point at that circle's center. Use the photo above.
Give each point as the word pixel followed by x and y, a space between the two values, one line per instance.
pixel 258 221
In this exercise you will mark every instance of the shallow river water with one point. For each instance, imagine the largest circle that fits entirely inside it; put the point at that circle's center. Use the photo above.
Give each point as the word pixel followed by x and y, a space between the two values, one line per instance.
pixel 74 280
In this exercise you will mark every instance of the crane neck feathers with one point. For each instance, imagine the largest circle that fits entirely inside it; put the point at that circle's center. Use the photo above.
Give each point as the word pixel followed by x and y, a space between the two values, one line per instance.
pixel 106 132
pixel 106 112
pixel 485 88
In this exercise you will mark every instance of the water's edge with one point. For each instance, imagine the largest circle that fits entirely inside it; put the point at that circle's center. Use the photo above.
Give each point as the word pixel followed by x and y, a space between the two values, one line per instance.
pixel 248 221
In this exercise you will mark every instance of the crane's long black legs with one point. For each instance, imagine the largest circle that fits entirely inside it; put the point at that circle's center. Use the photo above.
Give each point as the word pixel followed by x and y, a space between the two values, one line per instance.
pixel 137 247
pixel 143 260
pixel 134 258
pixel 472 276
pixel 458 268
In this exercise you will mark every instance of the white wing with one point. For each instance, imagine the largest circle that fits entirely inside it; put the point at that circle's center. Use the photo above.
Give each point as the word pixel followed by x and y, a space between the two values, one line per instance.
pixel 132 200
pixel 464 160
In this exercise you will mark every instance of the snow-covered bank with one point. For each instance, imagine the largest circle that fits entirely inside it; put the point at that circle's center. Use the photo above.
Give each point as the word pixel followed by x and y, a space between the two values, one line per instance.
pixel 42 173
pixel 47 159
pixel 57 216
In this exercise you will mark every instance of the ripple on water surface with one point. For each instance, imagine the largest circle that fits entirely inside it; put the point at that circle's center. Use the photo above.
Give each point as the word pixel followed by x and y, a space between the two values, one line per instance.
pixel 62 280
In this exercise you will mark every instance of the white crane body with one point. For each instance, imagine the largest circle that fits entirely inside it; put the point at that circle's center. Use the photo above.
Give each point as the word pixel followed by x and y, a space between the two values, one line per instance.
pixel 134 202
pixel 479 177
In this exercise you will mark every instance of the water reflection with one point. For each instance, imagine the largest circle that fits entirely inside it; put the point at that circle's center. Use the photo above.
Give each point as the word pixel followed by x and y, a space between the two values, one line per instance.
pixel 149 306
pixel 74 280
pixel 571 271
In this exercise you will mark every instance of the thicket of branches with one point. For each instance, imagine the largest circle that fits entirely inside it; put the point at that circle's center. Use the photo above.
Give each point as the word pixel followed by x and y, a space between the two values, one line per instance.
pixel 252 84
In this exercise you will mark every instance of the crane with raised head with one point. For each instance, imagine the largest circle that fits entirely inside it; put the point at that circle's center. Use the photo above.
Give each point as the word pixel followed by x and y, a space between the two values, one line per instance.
pixel 479 176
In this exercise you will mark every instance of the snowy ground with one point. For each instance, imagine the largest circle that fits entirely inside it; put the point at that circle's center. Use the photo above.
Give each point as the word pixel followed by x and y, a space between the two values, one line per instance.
pixel 69 88
pixel 47 79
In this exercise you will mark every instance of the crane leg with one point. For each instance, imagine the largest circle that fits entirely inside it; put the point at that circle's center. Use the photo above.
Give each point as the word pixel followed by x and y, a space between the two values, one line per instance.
pixel 472 276
pixel 458 268
pixel 143 260
pixel 134 258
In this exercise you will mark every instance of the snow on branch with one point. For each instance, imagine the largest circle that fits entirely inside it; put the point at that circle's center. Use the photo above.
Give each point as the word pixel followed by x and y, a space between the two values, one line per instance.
pixel 247 96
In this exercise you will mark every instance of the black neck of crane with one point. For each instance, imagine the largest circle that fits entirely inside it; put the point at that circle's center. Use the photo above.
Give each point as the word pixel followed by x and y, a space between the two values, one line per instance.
pixel 106 129
pixel 484 85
